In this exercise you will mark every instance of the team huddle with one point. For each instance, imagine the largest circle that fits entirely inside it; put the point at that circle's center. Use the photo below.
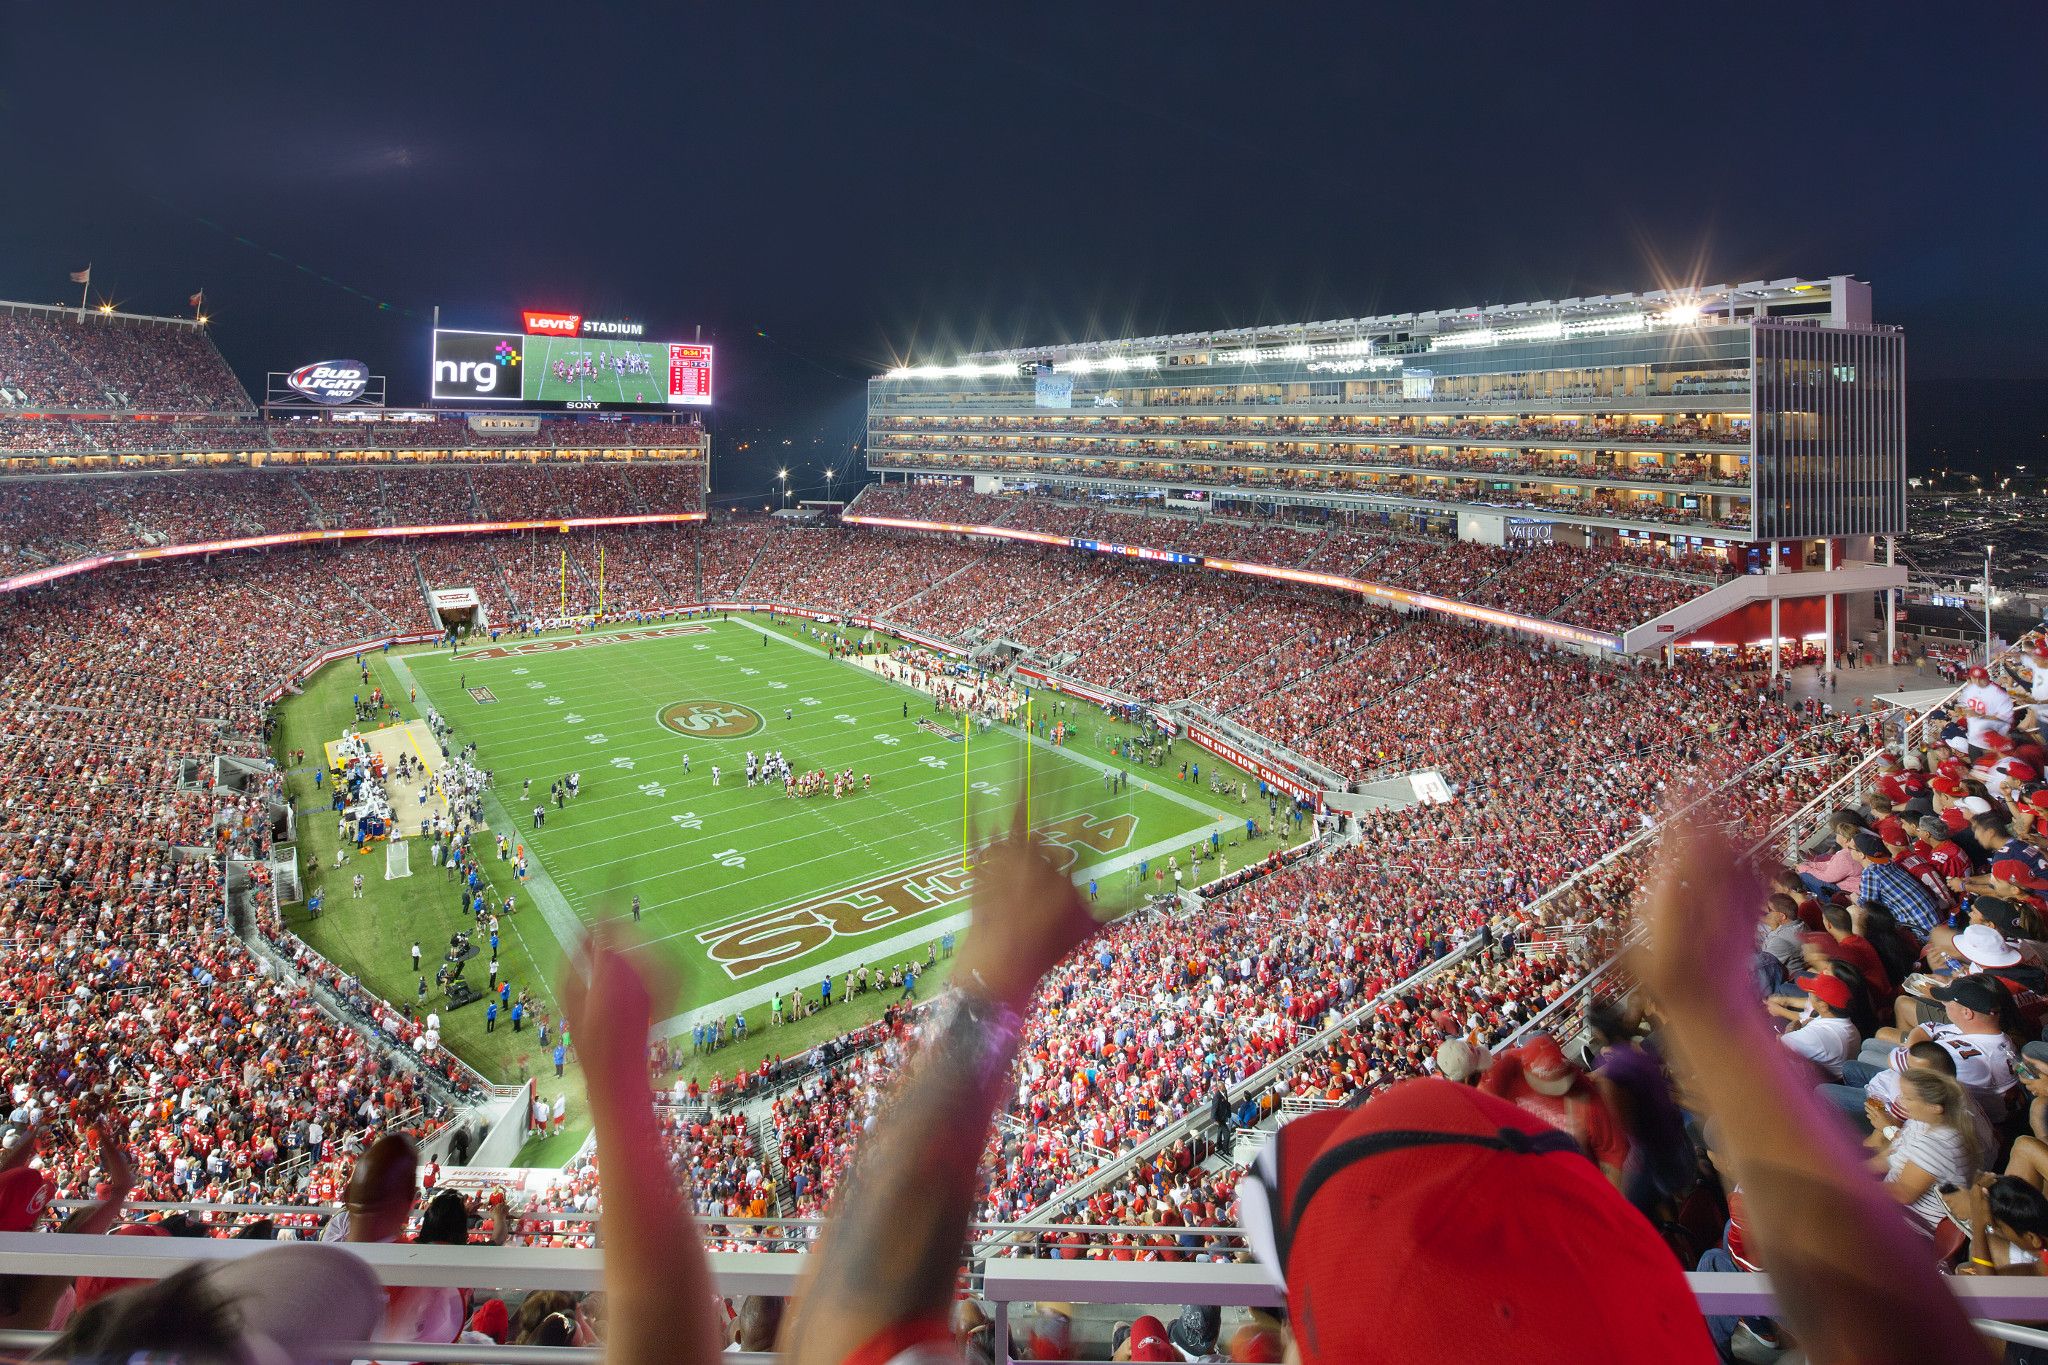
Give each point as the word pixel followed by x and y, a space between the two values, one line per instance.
pixel 600 364
pixel 764 769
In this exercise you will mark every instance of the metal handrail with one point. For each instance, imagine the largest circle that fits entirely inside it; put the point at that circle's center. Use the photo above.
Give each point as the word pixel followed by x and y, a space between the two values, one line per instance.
pixel 1233 1283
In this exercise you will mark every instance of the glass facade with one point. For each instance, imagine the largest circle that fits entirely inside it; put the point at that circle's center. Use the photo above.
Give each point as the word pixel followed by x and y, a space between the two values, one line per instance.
pixel 1829 411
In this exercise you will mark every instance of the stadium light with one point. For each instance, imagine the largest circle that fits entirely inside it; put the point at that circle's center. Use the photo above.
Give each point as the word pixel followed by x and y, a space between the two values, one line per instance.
pixel 1683 315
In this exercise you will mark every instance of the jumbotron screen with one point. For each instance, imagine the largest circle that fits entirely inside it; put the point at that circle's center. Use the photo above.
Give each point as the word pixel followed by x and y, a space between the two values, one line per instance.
pixel 571 372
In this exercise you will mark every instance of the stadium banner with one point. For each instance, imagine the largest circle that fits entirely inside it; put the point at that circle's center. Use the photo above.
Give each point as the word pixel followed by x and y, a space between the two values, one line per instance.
pixel 1068 687
pixel 1105 547
pixel 959 529
pixel 1052 390
pixel 1265 772
pixel 1422 601
pixel 833 618
pixel 320 661
pixel 38 577
pixel 932 643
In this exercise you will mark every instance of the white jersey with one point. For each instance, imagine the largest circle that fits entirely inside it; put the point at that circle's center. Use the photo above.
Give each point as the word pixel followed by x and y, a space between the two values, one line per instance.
pixel 1985 708
pixel 1826 1042
pixel 1983 1065
pixel 2037 670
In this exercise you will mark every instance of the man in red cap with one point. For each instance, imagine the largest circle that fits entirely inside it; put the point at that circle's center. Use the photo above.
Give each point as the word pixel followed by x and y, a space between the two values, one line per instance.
pixel 1823 1034
pixel 1983 706
pixel 1559 1267
pixel 1148 1341
pixel 1541 1080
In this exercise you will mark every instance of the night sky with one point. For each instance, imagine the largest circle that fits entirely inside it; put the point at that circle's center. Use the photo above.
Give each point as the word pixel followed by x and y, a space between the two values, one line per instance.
pixel 828 189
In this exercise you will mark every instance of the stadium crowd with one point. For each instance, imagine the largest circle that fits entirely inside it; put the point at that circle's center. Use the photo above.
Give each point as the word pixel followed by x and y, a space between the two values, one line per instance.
pixel 1135 1036
pixel 58 359
pixel 1107 459
pixel 1729 508
pixel 129 995
pixel 54 521
pixel 1719 429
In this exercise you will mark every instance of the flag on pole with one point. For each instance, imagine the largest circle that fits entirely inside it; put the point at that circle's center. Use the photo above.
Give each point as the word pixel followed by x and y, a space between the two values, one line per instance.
pixel 198 300
pixel 82 276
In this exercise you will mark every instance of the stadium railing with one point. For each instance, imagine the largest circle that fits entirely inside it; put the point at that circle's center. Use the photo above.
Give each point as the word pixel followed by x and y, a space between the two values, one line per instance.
pixel 1197 1118
pixel 1565 1017
pixel 1996 1302
pixel 1256 745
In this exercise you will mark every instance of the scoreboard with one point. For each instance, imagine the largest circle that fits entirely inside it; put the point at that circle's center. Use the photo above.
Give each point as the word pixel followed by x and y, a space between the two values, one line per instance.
pixel 689 374
pixel 592 371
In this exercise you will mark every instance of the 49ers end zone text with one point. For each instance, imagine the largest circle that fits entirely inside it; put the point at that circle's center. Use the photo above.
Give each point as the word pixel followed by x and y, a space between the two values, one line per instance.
pixel 774 937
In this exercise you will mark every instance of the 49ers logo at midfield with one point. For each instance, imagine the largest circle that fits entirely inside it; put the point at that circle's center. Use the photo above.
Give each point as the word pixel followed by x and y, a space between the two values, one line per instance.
pixel 711 719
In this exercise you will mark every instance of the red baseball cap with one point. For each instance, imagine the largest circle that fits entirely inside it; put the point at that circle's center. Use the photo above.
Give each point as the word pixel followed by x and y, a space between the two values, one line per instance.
pixel 24 1194
pixel 1953 768
pixel 1431 1182
pixel 2038 799
pixel 1545 1065
pixel 2013 872
pixel 1892 830
pixel 492 1319
pixel 1979 672
pixel 1894 791
pixel 1996 741
pixel 1150 1342
pixel 1956 818
pixel 1946 785
pixel 1833 990
pixel 92 1288
pixel 2019 770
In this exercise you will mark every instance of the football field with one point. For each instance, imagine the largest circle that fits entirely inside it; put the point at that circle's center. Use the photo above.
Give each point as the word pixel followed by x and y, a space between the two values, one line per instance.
pixel 746 892
pixel 599 370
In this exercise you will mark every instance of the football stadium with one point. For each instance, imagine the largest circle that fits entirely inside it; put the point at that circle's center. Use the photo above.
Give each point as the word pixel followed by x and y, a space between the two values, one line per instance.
pixel 1428 835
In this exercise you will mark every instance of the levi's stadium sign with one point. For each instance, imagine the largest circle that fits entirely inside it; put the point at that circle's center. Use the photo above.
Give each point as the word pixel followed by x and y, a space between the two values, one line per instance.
pixel 576 325
pixel 330 381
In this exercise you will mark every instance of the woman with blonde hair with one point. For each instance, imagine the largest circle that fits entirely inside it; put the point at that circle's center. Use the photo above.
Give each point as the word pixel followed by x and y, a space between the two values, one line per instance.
pixel 1935 1146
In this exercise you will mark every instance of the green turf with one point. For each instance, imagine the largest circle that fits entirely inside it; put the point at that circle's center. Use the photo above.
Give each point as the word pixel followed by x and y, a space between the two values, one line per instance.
pixel 607 386
pixel 723 872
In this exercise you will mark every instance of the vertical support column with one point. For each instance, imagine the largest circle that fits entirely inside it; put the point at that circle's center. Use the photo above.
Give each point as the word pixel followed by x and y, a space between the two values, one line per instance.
pixel 1891 605
pixel 1828 604
pixel 1777 661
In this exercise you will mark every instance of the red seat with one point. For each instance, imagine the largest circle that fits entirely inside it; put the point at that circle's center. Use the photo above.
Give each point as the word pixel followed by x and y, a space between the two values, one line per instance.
pixel 1950 1242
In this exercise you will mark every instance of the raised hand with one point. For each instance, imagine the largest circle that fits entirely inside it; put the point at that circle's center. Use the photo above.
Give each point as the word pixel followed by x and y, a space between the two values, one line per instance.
pixel 1027 916
pixel 1699 918
pixel 610 1003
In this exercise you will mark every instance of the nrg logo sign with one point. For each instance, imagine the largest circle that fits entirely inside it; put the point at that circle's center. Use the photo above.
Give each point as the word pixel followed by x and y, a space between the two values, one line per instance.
pixel 477 365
